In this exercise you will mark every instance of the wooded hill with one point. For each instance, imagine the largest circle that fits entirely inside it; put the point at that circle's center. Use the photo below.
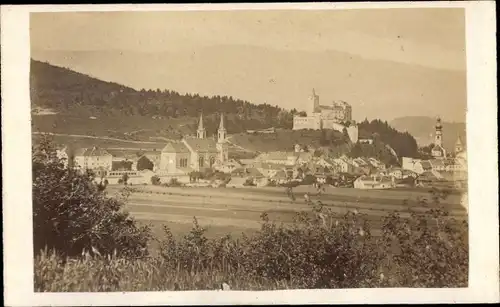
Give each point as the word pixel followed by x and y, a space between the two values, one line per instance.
pixel 84 105
pixel 66 92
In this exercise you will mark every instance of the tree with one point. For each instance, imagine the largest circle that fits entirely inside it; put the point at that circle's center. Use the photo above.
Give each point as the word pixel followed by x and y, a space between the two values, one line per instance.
pixel 323 139
pixel 70 213
pixel 346 136
pixel 125 178
pixel 144 163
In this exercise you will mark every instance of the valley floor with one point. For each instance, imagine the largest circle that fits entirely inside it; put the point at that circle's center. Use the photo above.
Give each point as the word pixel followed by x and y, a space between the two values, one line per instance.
pixel 237 210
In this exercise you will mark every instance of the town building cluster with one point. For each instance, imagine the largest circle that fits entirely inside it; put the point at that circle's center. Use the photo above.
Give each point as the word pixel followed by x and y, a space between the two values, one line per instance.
pixel 336 116
pixel 179 160
pixel 442 165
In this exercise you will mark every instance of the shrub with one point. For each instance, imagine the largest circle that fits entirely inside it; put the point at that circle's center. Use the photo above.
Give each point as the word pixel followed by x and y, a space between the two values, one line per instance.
pixel 70 213
pixel 155 180
pixel 174 183
pixel 249 182
pixel 125 178
pixel 144 163
pixel 309 179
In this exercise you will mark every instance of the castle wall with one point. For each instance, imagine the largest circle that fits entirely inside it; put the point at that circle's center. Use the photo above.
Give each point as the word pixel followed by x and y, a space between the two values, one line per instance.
pixel 309 122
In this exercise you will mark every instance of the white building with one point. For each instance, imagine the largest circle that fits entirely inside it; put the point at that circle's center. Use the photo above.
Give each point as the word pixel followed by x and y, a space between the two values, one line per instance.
pixel 93 158
pixel 374 182
pixel 327 117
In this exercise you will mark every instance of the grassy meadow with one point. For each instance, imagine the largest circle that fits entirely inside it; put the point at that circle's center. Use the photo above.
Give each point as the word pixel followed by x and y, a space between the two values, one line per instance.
pixel 235 211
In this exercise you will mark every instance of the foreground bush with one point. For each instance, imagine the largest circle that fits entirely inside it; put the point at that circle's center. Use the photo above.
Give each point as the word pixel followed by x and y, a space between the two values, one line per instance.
pixel 71 212
pixel 319 250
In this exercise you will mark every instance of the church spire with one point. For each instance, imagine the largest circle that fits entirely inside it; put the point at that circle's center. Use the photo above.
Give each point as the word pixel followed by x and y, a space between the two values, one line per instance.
pixel 201 133
pixel 222 131
pixel 221 126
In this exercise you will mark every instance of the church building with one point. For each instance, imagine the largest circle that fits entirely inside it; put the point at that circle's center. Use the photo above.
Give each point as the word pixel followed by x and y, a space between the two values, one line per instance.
pixel 438 150
pixel 195 153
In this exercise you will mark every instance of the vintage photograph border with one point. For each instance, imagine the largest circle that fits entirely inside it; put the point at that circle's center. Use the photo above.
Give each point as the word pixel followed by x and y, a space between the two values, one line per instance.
pixel 482 157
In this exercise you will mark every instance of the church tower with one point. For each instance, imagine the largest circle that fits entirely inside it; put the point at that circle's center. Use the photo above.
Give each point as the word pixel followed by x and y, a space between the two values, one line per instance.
pixel 222 147
pixel 438 138
pixel 459 146
pixel 201 133
pixel 438 150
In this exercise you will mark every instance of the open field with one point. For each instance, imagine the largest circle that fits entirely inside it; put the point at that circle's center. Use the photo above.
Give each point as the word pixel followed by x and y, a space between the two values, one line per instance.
pixel 236 210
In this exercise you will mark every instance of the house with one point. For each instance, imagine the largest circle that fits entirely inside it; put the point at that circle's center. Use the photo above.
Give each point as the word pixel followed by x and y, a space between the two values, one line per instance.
pixel 325 162
pixel 241 175
pixel 374 182
pixel 359 162
pixel 278 157
pixel 343 165
pixel 400 173
pixel 376 163
pixel 93 158
pixel 195 153
pixel 247 162
pixel 123 160
pixel 365 141
pixel 428 177
pixel 438 165
pixel 228 167
pixel 395 172
pixel 280 177
pixel 153 156
pixel 236 182
pixel 269 169
pixel 133 177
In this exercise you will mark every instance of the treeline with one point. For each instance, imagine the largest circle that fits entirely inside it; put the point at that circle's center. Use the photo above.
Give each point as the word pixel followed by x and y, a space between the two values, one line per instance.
pixel 66 91
pixel 403 143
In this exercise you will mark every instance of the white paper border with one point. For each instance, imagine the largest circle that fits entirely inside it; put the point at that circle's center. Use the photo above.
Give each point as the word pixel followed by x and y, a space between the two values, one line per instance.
pixel 482 154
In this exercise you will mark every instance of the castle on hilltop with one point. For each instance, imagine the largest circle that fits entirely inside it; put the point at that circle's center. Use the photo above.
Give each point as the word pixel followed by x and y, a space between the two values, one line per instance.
pixel 336 116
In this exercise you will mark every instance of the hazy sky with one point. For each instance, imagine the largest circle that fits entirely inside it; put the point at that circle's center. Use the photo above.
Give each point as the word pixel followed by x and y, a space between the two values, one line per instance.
pixel 430 37
pixel 273 56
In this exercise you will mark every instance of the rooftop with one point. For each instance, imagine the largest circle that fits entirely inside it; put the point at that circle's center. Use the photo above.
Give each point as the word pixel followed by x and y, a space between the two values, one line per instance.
pixel 174 147
pixel 201 145
pixel 91 152
pixel 276 155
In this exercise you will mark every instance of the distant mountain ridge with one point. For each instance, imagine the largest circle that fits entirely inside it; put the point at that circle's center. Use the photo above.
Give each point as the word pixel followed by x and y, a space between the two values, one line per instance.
pixel 423 130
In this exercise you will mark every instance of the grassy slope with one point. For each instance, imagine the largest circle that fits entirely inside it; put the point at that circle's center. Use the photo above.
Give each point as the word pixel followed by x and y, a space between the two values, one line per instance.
pixel 282 140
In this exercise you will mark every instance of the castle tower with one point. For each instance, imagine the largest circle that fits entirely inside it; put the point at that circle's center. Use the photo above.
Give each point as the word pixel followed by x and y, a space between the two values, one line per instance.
pixel 201 133
pixel 313 103
pixel 438 138
pixel 222 147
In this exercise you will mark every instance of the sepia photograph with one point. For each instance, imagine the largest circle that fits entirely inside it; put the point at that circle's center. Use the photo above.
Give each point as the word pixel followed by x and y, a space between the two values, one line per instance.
pixel 249 150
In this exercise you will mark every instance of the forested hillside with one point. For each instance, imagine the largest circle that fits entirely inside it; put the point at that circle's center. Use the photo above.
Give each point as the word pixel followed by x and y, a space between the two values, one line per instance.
pixel 403 143
pixel 70 93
